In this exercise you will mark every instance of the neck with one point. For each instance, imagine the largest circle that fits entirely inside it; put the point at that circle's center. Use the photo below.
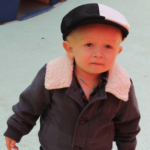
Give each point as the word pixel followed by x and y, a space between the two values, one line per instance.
pixel 92 79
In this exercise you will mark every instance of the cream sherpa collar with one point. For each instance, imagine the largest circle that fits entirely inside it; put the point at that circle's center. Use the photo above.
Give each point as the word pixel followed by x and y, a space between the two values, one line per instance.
pixel 59 75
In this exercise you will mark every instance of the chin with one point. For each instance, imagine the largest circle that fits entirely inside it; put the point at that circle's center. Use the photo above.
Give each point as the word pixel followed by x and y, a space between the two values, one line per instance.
pixel 98 69
pixel 96 72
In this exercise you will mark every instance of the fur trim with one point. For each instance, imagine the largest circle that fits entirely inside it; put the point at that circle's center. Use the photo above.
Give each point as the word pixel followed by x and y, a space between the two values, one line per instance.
pixel 59 75
pixel 118 82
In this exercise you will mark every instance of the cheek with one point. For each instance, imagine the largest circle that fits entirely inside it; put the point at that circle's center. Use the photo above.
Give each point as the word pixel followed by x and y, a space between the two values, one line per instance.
pixel 111 54
pixel 78 57
pixel 111 57
pixel 82 59
pixel 87 54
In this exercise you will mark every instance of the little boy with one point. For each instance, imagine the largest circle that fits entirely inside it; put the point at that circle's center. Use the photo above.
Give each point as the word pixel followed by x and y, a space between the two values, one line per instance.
pixel 85 99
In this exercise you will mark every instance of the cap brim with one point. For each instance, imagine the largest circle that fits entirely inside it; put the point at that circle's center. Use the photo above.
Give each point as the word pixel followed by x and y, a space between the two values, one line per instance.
pixel 124 31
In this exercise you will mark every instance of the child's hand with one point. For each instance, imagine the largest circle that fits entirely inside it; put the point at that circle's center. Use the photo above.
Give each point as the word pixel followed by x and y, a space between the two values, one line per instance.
pixel 10 143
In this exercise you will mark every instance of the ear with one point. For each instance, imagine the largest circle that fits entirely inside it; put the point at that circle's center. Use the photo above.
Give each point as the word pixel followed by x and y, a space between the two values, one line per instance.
pixel 67 46
pixel 120 49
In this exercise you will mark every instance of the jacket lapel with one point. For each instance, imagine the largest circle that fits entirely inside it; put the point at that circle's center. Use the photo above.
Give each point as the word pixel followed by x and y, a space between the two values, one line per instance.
pixel 74 93
pixel 100 95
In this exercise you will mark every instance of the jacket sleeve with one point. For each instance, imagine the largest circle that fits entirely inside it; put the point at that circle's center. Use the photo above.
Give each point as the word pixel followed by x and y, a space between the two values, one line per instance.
pixel 32 103
pixel 127 123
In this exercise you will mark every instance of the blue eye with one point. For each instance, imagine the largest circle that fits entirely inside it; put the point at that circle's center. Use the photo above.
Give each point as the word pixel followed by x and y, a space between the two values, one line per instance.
pixel 108 46
pixel 89 44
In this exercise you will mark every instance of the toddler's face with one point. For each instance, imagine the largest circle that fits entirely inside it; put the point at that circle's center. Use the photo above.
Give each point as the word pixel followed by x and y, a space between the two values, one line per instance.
pixel 94 47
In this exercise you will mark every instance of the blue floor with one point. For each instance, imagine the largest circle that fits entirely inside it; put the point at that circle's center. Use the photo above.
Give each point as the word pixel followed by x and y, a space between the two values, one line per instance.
pixel 23 9
pixel 28 9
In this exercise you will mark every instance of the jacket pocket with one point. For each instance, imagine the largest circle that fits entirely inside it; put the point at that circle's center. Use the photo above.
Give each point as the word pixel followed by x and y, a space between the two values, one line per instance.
pixel 51 137
pixel 44 129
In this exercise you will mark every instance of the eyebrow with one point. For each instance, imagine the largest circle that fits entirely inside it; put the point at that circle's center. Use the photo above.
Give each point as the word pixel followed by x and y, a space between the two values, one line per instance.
pixel 89 39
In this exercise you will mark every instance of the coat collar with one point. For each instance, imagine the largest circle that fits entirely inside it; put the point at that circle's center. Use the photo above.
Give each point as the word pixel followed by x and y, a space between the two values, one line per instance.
pixel 59 75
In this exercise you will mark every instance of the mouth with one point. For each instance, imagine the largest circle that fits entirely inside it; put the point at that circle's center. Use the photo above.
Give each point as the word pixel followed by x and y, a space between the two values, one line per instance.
pixel 97 63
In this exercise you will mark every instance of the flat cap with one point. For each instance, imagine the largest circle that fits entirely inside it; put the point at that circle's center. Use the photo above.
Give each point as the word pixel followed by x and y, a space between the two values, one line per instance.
pixel 93 13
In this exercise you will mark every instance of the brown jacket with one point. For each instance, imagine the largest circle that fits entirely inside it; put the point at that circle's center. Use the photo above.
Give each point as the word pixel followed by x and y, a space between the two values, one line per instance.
pixel 111 115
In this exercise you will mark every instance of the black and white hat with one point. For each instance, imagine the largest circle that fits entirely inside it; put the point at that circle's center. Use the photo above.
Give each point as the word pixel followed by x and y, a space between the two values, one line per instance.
pixel 93 13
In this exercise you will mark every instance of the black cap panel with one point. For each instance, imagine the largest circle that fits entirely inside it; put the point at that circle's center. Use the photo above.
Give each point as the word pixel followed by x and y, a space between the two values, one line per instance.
pixel 79 14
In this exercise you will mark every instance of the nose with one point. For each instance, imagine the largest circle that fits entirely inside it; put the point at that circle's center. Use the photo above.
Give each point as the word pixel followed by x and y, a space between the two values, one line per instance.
pixel 98 52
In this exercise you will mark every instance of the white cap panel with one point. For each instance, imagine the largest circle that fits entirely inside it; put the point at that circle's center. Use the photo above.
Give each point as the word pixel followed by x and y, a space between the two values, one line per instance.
pixel 113 15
